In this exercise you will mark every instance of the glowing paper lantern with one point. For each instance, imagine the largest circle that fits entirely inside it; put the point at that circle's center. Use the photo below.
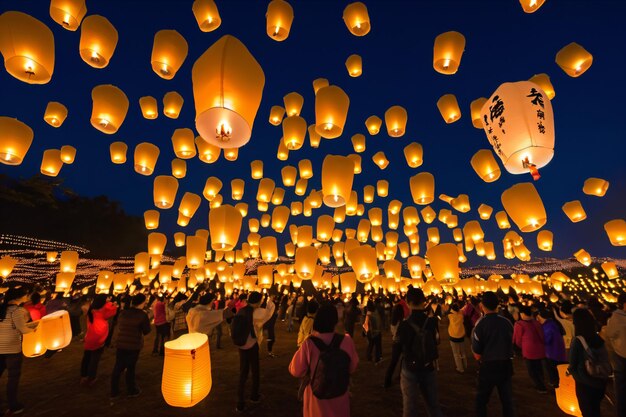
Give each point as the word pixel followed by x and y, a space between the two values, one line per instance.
pixel 531 6
pixel 68 13
pixel 32 343
pixel 503 220
pixel 523 204
pixel 575 211
pixel 189 204
pixel 227 86
pixel 354 65
pixel 146 155
pixel 51 162
pixel 475 109
pixel 566 392
pixel 574 59
pixel 294 132
pixel 55 114
pixel 543 81
pixel 519 124
pixel 196 248
pixel 164 191
pixel 616 230
pixel 265 190
pixel 484 211
pixel 447 53
pixel 256 168
pixel 151 219
pixel 380 160
pixel 460 203
pixel 433 234
pixel 169 51
pixel 331 111
pixel 109 109
pixel 337 178
pixel 56 331
pixel 348 282
pixel 149 108
pixel 206 14
pixel 610 270
pixel 276 115
pixel 186 376
pixel 449 108
pixel 357 19
pixel 423 188
pixel 395 119
pixel 172 104
pixel 544 240
pixel 98 39
pixel 179 168
pixel 485 165
pixel 225 225
pixel 325 226
pixel 118 152
pixel 595 186
pixel 583 257
pixel 279 18
pixel 413 153
pixel 363 260
pixel 212 187
pixel 27 46
pixel 314 137
pixel 280 218
pixel 15 140
pixel 7 264
pixel 444 262
pixel 269 248
pixel 306 261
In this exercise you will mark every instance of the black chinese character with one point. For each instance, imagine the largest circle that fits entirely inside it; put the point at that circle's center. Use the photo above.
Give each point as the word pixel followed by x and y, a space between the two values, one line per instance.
pixel 540 115
pixel 501 122
pixel 541 127
pixel 537 97
pixel 497 110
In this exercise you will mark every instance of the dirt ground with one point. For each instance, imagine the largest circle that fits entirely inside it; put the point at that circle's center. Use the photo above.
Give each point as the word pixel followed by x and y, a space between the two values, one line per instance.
pixel 50 387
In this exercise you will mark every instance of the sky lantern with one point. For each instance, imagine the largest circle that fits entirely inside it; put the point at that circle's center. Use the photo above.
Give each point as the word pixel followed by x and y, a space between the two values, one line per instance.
pixel 164 191
pixel 473 231
pixel 574 211
pixel 276 115
pixel 364 263
pixel 415 265
pixel 98 40
pixel 485 165
pixel 189 204
pixel 256 169
pixel 531 6
pixel 357 19
pixel 319 83
pixel 306 261
pixel 413 153
pixel 475 109
pixel 294 132
pixel 305 168
pixel 15 140
pixel 268 248
pixel 7 264
pixel 280 218
pixel 282 153
pixel 410 216
pixel 186 376
pixel 523 204
pixel 352 204
pixel 68 261
pixel 337 178
pixel 142 263
pixel 56 331
pixel 363 230
pixel 595 186
pixel 118 152
pixel 444 262
pixel 237 188
pixel 151 219
pixel 449 108
pixel 574 59
pixel 296 208
pixel 503 220
pixel 314 137
pixel 348 282
pixel 373 124
pixel 358 142
pixel 179 168
pixel 227 87
pixel 305 236
pixel 146 155
pixel 265 276
pixel 27 46
pixel 380 160
pixel 433 234
pixel 331 111
pixel 395 119
pixel 289 174
pixel 428 214
pixel 583 257
pixel 519 124
pixel 447 53
pixel 253 225
pixel 616 230
pixel 149 109
pixel 484 211
pixel 543 81
pixel 279 18
pixel 55 114
pixel 354 65
pixel 368 194
pixel 196 248
pixel 293 103
pixel 325 226
pixel 207 152
pixel 301 186
pixel 212 188
pixel 206 14
pixel 243 209
pixel 265 190
pixel 225 225
pixel 457 235
pixel 544 240
pixel 51 256
pixel 375 215
pixel 172 104
pixel 461 203
pixel 610 270
pixel 356 159
pixel 423 188
pixel 156 242
pixel 169 51
pixel 68 154
pixel 68 13
pixel 51 162
pixel 109 109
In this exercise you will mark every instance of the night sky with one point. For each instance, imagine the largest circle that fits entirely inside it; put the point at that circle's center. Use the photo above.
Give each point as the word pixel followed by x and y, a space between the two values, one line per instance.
pixel 503 44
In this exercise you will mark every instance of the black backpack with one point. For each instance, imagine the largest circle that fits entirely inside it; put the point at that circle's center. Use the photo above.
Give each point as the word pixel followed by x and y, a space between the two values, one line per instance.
pixel 422 351
pixel 597 363
pixel 241 326
pixel 331 376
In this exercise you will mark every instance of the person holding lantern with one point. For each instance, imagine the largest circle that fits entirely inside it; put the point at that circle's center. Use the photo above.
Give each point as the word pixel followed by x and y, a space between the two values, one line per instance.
pixel 100 311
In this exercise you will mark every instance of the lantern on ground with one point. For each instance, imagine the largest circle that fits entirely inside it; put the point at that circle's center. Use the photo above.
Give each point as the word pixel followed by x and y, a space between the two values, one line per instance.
pixel 172 104
pixel 595 186
pixel 51 162
pixel 186 376
pixel 337 178
pixel 206 14
pixel 279 18
pixel 225 225
pixel 574 211
pixel 449 108
pixel 354 65
pixel 485 165
pixel 444 262
pixel 331 111
pixel 164 191
pixel 413 153
pixel 447 53
pixel 423 188
pixel 7 264
pixel 616 230
pixel 98 39
pixel 55 114
pixel 27 46
pixel 523 204
pixel 357 19
pixel 475 109
pixel 15 140
pixel 574 59
pixel 56 331
pixel 395 119
pixel 544 240
pixel 109 108
pixel 227 85
pixel 146 155
pixel 169 51
pixel 519 124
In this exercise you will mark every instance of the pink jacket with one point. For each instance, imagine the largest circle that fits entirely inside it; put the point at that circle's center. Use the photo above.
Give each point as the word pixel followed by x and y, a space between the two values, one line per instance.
pixel 98 330
pixel 159 313
pixel 528 336
pixel 305 359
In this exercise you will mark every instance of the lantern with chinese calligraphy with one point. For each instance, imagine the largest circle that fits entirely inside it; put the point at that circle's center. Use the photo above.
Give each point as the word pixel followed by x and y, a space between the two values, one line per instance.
pixel 357 19
pixel 575 211
pixel 447 53
pixel 225 225
pixel 98 39
pixel 395 119
pixel 423 188
pixel 449 108
pixel 51 162
pixel 485 165
pixel 616 230
pixel 56 331
pixel 354 65
pixel 68 154
pixel 169 51
pixel 574 59
pixel 543 81
pixel 227 86
pixel 55 114
pixel 172 104
pixel 109 109
pixel 15 140
pixel 523 204
pixel 595 186
pixel 206 14
pixel 337 178
pixel 279 18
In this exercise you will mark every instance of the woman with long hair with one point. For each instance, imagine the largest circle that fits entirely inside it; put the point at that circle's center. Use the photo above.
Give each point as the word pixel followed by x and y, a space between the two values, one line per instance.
pixel 100 310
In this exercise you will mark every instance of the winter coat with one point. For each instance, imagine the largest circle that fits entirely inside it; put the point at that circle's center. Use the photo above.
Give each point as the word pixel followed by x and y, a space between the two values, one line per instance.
pixel 553 341
pixel 98 329
pixel 528 336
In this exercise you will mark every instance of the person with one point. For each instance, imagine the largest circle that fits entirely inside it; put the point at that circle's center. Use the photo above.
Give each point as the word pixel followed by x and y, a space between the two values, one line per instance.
pixel 528 336
pixel 616 335
pixel 162 326
pixel 179 323
pixel 269 327
pixel 306 360
pixel 203 319
pixel 307 322
pixel 13 319
pixel 471 314
pixel 397 315
pixel 589 390
pixel 249 352
pixel 492 345
pixel 456 333
pixel 100 310
pixel 564 317
pixel 554 345
pixel 418 371
pixel 55 304
pixel 291 313
pixel 352 315
pixel 373 328
pixel 35 308
pixel 132 324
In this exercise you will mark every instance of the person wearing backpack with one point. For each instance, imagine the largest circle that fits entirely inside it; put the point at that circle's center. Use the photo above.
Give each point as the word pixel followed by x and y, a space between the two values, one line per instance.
pixel 416 341
pixel 327 359
pixel 247 333
pixel 616 334
pixel 588 363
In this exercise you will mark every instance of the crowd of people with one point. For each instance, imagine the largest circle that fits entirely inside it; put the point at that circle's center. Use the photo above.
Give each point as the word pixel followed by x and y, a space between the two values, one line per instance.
pixel 586 334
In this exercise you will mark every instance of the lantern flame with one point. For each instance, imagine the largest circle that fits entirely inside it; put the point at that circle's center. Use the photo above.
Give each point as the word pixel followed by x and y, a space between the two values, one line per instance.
pixel 224 131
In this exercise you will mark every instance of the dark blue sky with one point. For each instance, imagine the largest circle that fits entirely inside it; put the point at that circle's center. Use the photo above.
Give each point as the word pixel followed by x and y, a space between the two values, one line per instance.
pixel 503 44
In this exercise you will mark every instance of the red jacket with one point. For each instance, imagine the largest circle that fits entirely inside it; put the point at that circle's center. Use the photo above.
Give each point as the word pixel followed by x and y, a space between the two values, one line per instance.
pixel 528 336
pixel 98 330
pixel 37 311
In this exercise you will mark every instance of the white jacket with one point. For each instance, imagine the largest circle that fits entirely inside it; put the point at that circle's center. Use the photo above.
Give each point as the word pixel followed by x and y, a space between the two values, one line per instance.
pixel 201 319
